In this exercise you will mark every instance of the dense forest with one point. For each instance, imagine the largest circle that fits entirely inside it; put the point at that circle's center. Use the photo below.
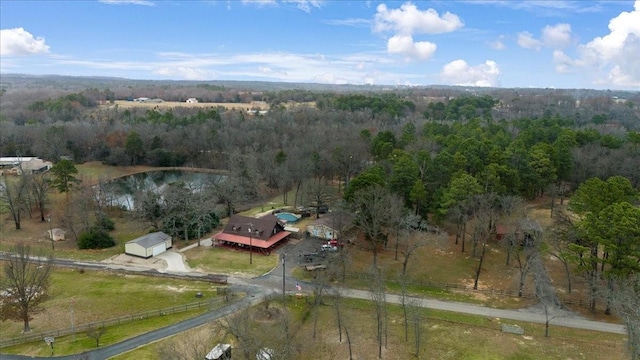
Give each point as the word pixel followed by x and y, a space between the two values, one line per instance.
pixel 512 140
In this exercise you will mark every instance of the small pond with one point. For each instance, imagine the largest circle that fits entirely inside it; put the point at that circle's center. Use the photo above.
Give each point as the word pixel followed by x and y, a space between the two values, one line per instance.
pixel 124 188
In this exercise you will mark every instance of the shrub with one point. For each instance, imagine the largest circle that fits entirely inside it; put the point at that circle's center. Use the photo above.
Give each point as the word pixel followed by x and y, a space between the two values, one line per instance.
pixel 95 238
pixel 106 223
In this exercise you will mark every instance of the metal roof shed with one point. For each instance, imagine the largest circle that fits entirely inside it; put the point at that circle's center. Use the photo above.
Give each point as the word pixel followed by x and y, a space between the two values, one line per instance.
pixel 219 352
pixel 148 245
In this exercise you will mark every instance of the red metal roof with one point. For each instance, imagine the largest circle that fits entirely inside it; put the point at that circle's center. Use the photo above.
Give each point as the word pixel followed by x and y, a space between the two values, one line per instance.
pixel 259 243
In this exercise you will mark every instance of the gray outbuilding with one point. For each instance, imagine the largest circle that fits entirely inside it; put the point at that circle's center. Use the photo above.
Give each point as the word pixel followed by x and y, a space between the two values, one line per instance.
pixel 148 245
pixel 220 352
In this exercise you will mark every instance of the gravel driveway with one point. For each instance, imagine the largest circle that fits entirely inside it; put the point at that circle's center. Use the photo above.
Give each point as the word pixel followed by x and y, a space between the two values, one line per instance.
pixel 175 262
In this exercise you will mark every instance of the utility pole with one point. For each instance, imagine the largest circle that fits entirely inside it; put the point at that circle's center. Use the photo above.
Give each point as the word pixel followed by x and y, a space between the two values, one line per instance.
pixel 50 231
pixel 284 261
pixel 250 244
pixel 73 325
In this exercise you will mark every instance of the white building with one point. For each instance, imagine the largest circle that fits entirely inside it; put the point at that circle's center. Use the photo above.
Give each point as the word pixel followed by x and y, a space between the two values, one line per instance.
pixel 219 352
pixel 17 165
pixel 148 245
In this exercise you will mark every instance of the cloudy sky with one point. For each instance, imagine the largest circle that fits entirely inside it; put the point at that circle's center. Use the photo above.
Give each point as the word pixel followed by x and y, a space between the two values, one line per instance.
pixel 503 43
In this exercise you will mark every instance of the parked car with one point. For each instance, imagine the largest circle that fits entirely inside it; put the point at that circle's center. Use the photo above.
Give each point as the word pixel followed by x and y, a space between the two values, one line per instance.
pixel 335 243
pixel 310 257
pixel 327 247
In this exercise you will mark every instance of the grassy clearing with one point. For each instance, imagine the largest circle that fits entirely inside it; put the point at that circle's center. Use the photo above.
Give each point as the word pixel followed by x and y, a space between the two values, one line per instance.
pixel 95 171
pixel 230 262
pixel 102 295
pixel 445 335
pixel 67 345
pixel 443 263
pixel 124 104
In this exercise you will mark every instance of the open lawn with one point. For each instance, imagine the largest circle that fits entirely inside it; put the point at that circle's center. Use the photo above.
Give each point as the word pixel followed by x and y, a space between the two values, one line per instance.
pixel 103 295
pixel 261 105
pixel 220 260
pixel 445 335
pixel 124 104
pixel 69 345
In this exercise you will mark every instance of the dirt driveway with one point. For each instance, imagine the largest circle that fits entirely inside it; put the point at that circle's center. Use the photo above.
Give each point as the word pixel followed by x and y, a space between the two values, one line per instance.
pixel 124 259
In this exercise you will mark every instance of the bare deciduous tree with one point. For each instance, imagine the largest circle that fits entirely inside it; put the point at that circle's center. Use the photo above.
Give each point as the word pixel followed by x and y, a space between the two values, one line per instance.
pixel 512 209
pixel 378 295
pixel 192 345
pixel 40 192
pixel 625 301
pixel 414 235
pixel 544 291
pixel 318 194
pixel 560 237
pixel 239 185
pixel 417 321
pixel 375 208
pixel 25 282
pixel 336 298
pixel 274 331
pixel 95 332
pixel 13 193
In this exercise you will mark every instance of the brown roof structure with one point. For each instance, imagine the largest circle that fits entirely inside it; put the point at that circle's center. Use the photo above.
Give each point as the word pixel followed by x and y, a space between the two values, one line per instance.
pixel 264 232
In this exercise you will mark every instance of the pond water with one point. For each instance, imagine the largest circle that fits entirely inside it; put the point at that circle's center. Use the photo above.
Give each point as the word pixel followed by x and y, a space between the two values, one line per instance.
pixel 123 189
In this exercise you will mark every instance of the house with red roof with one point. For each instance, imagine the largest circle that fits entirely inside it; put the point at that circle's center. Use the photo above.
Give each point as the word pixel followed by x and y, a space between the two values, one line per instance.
pixel 256 234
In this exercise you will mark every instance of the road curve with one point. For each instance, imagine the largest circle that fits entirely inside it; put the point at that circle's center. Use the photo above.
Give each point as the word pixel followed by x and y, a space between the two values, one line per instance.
pixel 254 296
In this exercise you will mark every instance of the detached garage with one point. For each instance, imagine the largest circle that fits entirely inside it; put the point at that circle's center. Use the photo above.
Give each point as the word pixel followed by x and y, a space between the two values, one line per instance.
pixel 148 245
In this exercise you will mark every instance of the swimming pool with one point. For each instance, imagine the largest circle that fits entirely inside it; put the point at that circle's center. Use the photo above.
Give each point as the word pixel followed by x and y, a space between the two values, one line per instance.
pixel 289 218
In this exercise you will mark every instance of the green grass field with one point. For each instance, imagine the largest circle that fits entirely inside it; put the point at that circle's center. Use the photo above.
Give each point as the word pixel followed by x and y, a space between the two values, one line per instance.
pixel 230 262
pixel 102 295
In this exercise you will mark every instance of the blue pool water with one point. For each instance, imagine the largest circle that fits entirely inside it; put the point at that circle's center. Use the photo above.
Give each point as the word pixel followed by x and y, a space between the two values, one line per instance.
pixel 288 217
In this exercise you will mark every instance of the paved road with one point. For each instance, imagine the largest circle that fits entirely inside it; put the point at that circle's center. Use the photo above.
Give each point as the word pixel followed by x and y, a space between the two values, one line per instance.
pixel 254 296
pixel 271 284
pixel 527 316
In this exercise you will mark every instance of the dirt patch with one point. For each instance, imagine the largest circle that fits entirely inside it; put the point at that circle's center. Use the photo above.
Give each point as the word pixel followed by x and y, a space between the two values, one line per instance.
pixel 124 259
pixel 269 314
pixel 175 104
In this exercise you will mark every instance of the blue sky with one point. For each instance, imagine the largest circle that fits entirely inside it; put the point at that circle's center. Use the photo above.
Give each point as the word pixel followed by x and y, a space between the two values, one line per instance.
pixel 502 43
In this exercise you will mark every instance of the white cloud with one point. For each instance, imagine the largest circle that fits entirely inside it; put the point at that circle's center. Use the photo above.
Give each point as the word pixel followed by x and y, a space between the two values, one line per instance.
pixel 552 36
pixel 260 2
pixel 562 61
pixel 355 22
pixel 329 78
pixel 557 37
pixel 527 41
pixel 18 41
pixel 408 20
pixel 544 7
pixel 497 44
pixel 358 68
pixel 128 2
pixel 404 45
pixel 612 58
pixel 458 72
pixel 186 73
pixel 306 5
